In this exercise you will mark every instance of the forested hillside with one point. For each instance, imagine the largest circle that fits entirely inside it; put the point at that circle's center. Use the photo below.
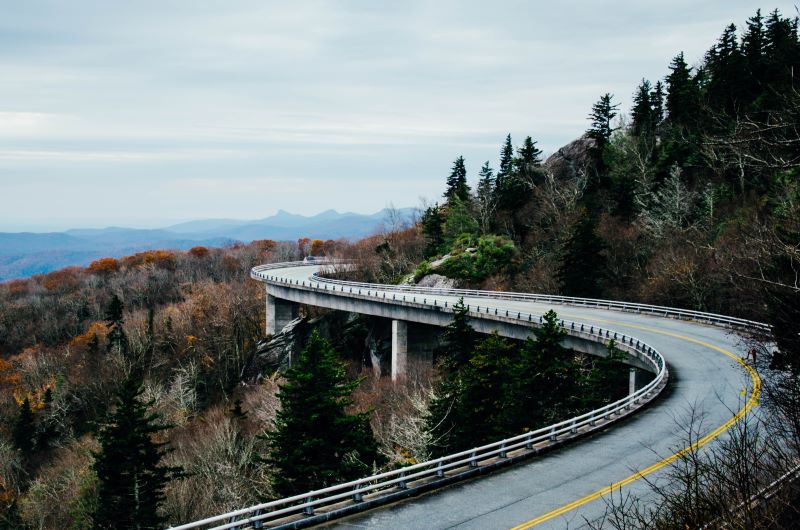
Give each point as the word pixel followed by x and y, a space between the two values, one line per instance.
pixel 144 366
pixel 688 200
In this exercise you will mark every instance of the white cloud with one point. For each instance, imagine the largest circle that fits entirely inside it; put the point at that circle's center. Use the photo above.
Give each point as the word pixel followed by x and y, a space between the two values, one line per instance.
pixel 363 103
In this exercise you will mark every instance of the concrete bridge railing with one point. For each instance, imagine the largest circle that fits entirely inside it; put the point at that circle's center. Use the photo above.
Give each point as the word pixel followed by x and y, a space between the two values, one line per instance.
pixel 661 311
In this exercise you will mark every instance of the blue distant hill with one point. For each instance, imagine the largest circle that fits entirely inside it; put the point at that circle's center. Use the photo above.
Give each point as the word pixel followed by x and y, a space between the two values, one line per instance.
pixel 24 254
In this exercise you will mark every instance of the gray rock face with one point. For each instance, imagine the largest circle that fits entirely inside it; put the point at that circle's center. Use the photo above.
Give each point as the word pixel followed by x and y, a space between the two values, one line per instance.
pixel 276 352
pixel 363 339
pixel 570 160
pixel 437 281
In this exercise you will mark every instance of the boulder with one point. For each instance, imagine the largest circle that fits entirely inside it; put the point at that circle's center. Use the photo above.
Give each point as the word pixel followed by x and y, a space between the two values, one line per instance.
pixel 437 281
pixel 569 161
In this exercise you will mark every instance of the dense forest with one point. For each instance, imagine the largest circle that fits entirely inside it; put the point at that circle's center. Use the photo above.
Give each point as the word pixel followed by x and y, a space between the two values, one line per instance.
pixel 139 370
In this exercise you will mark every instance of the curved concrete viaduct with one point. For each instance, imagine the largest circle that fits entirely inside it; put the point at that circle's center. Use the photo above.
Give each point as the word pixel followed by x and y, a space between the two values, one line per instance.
pixel 569 486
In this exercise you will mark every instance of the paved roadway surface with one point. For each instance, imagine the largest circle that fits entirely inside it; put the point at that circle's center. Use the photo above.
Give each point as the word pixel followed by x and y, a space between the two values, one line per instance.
pixel 701 378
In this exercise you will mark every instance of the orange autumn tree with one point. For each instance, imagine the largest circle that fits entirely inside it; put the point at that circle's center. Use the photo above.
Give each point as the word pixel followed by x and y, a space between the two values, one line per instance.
pixel 302 245
pixel 103 267
pixel 317 247
pixel 198 252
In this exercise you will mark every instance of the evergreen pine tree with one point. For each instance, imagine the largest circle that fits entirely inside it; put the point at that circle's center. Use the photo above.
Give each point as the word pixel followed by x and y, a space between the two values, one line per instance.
pixel 459 219
pixel 603 112
pixel 47 433
pixel 782 51
pixel 528 160
pixel 131 479
pixel 682 96
pixel 725 69
pixel 485 197
pixel 314 442
pixel 607 379
pixel 23 433
pixel 542 386
pixel 458 340
pixel 457 181
pixel 117 340
pixel 753 45
pixel 432 223
pixel 642 113
pixel 506 170
pixel 657 101
pixel 583 264
pixel 467 409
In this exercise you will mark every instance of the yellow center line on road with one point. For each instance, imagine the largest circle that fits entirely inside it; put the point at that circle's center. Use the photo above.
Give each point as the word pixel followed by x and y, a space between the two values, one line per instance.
pixel 751 402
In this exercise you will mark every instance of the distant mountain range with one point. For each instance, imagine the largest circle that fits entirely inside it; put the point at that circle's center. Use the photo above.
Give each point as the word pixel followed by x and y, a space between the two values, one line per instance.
pixel 24 254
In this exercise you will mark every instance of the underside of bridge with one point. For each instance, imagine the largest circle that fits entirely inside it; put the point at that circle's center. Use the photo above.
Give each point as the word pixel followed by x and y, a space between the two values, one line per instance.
pixel 416 331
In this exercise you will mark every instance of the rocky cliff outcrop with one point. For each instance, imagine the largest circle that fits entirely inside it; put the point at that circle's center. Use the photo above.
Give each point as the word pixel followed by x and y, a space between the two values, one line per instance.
pixel 360 338
pixel 571 160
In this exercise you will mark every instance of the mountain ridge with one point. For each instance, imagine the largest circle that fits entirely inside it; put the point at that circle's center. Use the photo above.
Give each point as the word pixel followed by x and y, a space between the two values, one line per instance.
pixel 23 254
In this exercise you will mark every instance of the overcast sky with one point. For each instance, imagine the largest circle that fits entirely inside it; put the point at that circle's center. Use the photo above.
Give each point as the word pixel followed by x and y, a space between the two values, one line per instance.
pixel 145 113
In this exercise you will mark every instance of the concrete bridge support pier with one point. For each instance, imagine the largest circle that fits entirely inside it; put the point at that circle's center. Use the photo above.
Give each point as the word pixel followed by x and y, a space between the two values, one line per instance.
pixel 399 349
pixel 279 313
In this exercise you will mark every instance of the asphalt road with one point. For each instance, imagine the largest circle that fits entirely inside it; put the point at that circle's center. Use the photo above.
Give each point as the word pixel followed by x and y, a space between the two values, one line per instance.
pixel 551 491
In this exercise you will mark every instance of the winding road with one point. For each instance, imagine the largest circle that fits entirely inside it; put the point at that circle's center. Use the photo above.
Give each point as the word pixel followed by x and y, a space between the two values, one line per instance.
pixel 571 485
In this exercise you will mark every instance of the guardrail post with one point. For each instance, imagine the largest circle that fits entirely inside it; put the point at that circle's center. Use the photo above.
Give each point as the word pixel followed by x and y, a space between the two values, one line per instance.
pixel 574 429
pixel 308 510
pixel 439 470
pixel 503 450
pixel 553 435
pixel 258 525
pixel 472 461
pixel 357 495
pixel 402 484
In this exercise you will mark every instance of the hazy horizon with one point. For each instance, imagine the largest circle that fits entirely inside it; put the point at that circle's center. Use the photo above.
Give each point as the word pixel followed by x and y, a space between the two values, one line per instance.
pixel 60 225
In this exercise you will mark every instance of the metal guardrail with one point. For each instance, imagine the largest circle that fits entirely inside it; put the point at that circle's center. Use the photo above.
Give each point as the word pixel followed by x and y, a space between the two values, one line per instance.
pixel 669 312
pixel 383 484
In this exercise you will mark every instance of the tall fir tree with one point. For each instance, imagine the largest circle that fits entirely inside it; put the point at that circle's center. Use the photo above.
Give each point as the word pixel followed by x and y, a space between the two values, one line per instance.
pixel 23 433
pixel 485 197
pixel 432 224
pixel 457 181
pixel 506 169
pixel 657 102
pixel 526 164
pixel 117 340
pixel 682 96
pixel 466 411
pixel 725 68
pixel 642 112
pixel 601 117
pixel 315 442
pixel 753 46
pixel 583 265
pixel 458 340
pixel 606 380
pixel 131 479
pixel 782 51
pixel 541 387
